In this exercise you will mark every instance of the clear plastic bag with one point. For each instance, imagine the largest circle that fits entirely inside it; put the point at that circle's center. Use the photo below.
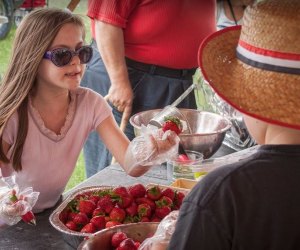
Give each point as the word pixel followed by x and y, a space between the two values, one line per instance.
pixel 15 203
pixel 152 147
pixel 160 240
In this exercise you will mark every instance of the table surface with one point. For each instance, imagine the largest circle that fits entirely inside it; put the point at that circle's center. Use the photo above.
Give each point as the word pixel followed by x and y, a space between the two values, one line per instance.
pixel 44 236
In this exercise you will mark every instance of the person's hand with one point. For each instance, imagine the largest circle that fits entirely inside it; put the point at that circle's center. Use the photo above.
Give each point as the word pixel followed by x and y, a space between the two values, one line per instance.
pixel 121 97
pixel 163 142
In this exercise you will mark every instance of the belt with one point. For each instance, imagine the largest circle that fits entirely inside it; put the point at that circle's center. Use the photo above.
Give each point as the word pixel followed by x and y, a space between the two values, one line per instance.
pixel 162 71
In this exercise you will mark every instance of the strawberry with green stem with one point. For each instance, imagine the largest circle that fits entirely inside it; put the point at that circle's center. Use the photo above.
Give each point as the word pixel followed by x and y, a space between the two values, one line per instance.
pixel 172 123
pixel 27 217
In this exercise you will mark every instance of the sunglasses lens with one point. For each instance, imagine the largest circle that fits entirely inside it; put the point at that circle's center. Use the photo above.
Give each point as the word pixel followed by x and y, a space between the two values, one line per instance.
pixel 85 54
pixel 61 57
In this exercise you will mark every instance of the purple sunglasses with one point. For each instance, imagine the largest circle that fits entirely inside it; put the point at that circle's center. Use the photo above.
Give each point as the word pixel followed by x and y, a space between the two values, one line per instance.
pixel 63 56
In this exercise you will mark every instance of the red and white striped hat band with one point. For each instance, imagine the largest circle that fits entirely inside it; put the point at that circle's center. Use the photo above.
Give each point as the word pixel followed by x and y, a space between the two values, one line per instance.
pixel 268 59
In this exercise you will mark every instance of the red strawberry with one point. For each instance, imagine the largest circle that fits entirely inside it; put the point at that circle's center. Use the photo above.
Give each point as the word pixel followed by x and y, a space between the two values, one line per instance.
pixel 117 238
pixel 127 244
pixel 88 228
pixel 178 199
pixel 112 224
pixel 137 244
pixel 94 198
pixel 164 202
pixel 132 209
pixel 86 206
pixel 162 212
pixel 145 219
pixel 169 192
pixel 146 201
pixel 153 193
pixel 99 221
pixel 155 219
pixel 81 219
pixel 98 211
pixel 72 215
pixel 29 218
pixel 125 201
pixel 106 204
pixel 71 225
pixel 183 158
pixel 64 215
pixel 144 210
pixel 137 190
pixel 172 123
pixel 121 191
pixel 117 214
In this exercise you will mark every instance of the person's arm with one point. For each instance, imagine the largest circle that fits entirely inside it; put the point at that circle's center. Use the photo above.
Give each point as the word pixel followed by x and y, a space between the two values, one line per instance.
pixel 118 144
pixel 110 42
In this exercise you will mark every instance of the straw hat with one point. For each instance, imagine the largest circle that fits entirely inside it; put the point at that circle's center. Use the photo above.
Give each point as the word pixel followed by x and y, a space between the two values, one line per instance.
pixel 256 67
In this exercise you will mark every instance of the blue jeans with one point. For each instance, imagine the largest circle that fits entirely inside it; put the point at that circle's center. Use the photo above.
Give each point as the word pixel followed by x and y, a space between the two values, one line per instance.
pixel 150 92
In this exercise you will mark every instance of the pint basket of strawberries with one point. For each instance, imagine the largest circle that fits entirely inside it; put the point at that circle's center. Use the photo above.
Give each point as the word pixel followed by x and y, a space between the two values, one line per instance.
pixel 92 209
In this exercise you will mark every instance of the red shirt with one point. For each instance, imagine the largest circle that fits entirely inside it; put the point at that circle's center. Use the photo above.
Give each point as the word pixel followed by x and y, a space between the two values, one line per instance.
pixel 161 32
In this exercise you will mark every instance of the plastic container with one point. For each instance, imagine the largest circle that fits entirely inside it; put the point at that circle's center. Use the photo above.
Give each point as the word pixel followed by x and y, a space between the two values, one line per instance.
pixel 184 168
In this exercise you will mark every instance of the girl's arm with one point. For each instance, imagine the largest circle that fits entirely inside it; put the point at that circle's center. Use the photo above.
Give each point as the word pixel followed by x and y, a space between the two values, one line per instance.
pixel 117 143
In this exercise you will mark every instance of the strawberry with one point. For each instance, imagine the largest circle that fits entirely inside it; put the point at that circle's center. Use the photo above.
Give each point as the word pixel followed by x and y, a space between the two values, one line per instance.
pixel 117 214
pixel 86 206
pixel 153 193
pixel 173 124
pixel 71 225
pixel 146 201
pixel 125 201
pixel 169 192
pixel 121 191
pixel 183 158
pixel 132 209
pixel 112 224
pixel 27 217
pixel 117 238
pixel 137 244
pixel 72 215
pixel 155 219
pixel 88 228
pixel 164 201
pixel 98 211
pixel 162 212
pixel 179 196
pixel 137 190
pixel 81 219
pixel 106 203
pixel 145 219
pixel 127 244
pixel 144 210
pixel 98 221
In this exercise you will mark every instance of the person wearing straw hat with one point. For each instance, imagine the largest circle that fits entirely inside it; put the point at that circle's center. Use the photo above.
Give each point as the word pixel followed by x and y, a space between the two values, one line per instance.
pixel 253 203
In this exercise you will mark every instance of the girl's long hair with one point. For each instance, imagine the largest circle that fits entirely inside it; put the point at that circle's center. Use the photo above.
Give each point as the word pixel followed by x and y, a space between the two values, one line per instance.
pixel 33 37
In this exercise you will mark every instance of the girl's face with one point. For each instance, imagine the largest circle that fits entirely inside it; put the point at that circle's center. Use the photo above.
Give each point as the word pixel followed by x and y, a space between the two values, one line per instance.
pixel 69 76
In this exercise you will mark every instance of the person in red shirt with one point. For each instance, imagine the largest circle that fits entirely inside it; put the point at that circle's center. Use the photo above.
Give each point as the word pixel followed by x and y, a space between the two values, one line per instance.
pixel 145 57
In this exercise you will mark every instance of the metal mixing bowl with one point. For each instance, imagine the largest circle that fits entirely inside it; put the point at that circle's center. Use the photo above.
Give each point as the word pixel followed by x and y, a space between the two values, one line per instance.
pixel 102 239
pixel 208 129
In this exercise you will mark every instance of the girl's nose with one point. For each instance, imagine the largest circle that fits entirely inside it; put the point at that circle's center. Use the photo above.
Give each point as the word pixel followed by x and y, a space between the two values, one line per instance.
pixel 75 60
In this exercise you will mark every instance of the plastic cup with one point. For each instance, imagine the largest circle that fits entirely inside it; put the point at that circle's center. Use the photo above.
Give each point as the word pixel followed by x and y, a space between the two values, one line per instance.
pixel 184 168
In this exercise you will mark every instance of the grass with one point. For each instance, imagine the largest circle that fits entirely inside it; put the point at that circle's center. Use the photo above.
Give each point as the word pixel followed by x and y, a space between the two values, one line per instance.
pixel 5 50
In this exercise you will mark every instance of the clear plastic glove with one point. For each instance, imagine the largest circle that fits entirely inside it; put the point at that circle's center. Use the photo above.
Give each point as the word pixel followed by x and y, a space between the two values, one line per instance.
pixel 152 147
pixel 160 240
pixel 16 204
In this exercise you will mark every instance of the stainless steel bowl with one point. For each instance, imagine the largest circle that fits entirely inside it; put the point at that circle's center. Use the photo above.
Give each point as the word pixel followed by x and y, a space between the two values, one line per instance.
pixel 208 129
pixel 102 239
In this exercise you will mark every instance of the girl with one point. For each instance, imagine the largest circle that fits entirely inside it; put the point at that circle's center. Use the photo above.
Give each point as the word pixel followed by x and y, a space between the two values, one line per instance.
pixel 45 117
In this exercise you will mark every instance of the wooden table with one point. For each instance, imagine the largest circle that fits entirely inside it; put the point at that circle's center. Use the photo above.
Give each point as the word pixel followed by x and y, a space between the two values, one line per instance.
pixel 44 237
